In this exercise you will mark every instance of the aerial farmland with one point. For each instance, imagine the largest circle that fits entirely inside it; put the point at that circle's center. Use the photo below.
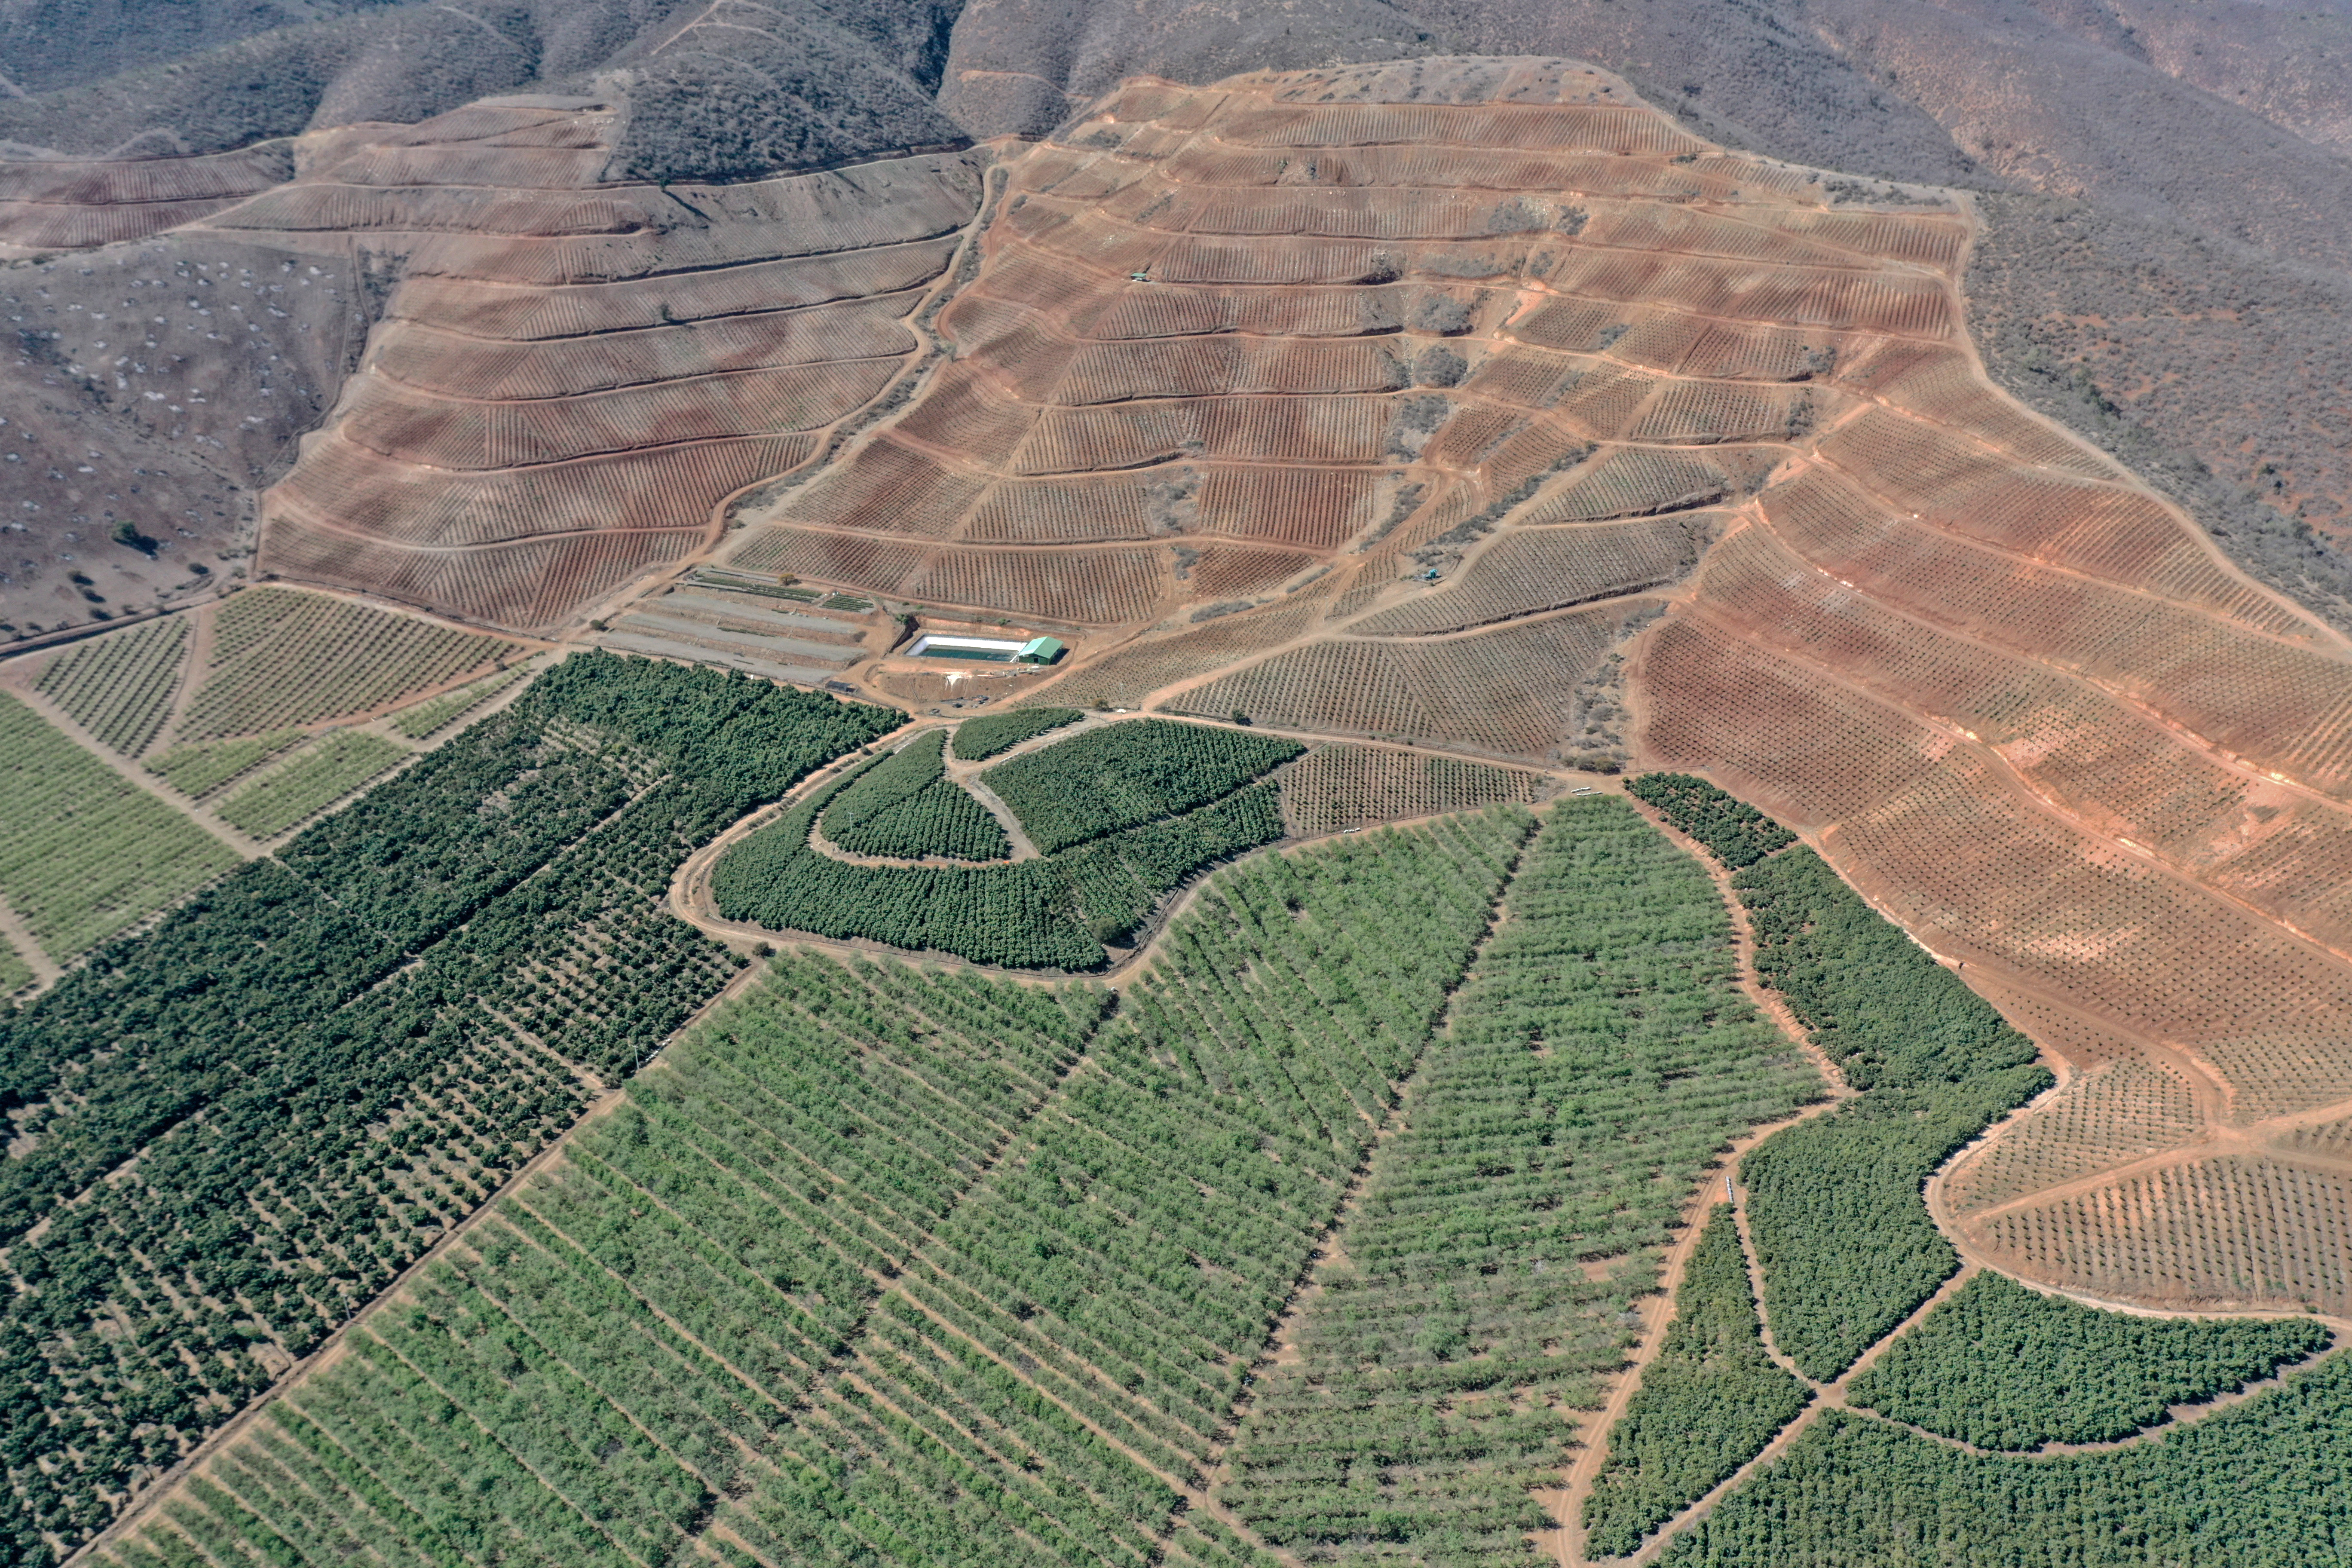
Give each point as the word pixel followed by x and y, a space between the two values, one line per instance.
pixel 1271 813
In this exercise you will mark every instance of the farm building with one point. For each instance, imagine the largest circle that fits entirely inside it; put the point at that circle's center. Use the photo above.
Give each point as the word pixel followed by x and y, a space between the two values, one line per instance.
pixel 988 650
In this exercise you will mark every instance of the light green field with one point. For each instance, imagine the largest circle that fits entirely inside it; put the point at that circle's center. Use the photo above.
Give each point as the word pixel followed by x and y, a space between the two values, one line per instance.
pixel 83 851
pixel 435 712
pixel 312 779
pixel 119 687
pixel 14 973
pixel 201 769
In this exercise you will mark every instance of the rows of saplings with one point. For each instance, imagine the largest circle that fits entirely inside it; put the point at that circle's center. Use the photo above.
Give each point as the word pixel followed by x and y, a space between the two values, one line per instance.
pixel 1848 1252
pixel 1590 1067
pixel 1120 814
pixel 327 1059
pixel 680 1333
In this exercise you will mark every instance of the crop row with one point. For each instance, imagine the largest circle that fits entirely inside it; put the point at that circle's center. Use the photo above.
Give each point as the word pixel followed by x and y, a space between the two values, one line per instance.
pixel 1118 776
pixel 1504 691
pixel 413 427
pixel 1734 832
pixel 310 781
pixel 2264 698
pixel 1532 570
pixel 1101 588
pixel 489 311
pixel 436 714
pixel 1594 1063
pixel 284 657
pixel 2254 1485
pixel 2218 1232
pixel 1075 1338
pixel 2001 1366
pixel 2096 930
pixel 2126 1110
pixel 906 808
pixel 1339 786
pixel 867 1266
pixel 1130 675
pixel 1631 482
pixel 1847 1247
pixel 1709 1401
pixel 842 1111
pixel 391 503
pixel 1052 912
pixel 119 688
pixel 85 853
pixel 327 1060
pixel 199 769
pixel 433 361
pixel 977 740
pixel 533 583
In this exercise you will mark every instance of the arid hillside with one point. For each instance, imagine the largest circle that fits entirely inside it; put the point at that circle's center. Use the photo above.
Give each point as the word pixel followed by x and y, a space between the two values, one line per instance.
pixel 1240 369
pixel 1266 369
pixel 551 408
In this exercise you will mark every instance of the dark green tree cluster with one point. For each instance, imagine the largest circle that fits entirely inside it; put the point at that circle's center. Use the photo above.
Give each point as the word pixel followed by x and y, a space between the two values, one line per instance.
pixel 1596 1061
pixel 1122 775
pixel 1052 912
pixel 908 809
pixel 1734 832
pixel 2262 1486
pixel 2001 1366
pixel 977 740
pixel 1847 1246
pixel 335 1054
pixel 1879 1005
pixel 1709 1403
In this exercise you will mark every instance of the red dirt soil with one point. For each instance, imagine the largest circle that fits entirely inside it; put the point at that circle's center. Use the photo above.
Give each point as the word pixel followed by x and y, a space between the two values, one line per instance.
pixel 572 376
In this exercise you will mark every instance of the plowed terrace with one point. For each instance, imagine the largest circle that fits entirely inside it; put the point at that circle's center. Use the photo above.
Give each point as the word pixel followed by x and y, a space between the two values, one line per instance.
pixel 1694 442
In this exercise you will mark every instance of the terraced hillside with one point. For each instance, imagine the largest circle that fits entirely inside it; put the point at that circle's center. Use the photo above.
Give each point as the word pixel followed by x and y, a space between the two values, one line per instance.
pixel 573 375
pixel 1243 366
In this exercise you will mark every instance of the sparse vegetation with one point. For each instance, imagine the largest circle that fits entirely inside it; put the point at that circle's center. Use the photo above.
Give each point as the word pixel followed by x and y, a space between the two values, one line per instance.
pixel 119 687
pixel 283 657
